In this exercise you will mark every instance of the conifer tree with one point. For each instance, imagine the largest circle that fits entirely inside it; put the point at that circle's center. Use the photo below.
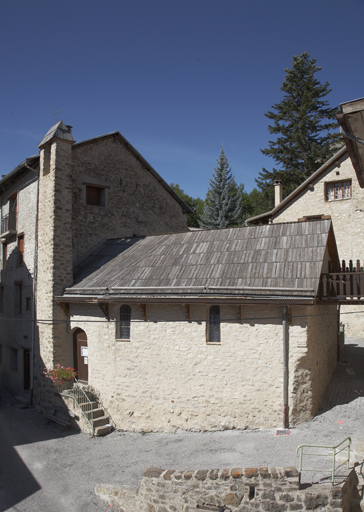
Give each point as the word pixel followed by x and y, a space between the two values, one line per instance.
pixel 303 122
pixel 223 206
pixel 196 205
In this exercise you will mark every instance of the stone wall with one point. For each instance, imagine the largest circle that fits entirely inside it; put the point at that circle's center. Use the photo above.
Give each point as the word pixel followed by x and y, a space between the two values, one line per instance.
pixel 167 378
pixel 312 360
pixel 54 261
pixel 16 326
pixel 348 221
pixel 241 490
pixel 135 201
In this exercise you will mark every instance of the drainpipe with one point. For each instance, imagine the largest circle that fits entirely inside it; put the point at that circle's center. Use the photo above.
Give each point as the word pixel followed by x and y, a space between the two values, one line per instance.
pixel 285 368
pixel 34 323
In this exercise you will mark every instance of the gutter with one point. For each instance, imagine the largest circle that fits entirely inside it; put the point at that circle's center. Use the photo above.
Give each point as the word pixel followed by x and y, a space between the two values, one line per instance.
pixel 285 368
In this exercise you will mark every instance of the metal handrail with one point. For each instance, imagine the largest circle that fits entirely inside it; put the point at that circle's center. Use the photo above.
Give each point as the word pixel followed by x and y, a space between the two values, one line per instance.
pixel 78 395
pixel 8 222
pixel 335 451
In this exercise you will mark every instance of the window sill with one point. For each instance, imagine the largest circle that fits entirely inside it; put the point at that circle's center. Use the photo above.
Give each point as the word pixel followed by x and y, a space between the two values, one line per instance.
pixel 118 339
pixel 213 342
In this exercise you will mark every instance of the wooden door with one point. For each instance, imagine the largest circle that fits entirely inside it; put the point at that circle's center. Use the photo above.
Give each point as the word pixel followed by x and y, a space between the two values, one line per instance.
pixel 80 354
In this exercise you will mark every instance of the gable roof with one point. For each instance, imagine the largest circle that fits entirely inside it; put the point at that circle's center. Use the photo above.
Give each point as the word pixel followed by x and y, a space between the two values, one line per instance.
pixel 292 196
pixel 270 261
pixel 138 156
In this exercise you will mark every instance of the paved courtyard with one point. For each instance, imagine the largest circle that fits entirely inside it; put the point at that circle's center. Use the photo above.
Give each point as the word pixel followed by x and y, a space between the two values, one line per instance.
pixel 44 468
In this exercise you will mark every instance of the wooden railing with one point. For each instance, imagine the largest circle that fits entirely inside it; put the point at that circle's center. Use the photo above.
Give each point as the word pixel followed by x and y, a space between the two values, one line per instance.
pixel 346 283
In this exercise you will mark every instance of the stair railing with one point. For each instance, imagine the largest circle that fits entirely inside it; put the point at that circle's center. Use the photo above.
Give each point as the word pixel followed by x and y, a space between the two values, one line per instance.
pixel 329 451
pixel 75 391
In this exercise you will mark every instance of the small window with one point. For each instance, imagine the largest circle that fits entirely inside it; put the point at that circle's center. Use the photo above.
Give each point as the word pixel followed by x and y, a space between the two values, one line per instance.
pixel 18 297
pixel 338 190
pixel 21 249
pixel 124 322
pixel 27 304
pixel 13 359
pixel 4 254
pixel 213 328
pixel 95 196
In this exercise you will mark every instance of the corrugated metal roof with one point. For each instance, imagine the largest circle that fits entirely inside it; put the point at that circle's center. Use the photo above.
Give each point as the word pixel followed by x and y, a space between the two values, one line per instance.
pixel 271 260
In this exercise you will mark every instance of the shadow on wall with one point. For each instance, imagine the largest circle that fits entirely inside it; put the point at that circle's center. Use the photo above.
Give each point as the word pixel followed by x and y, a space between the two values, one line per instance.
pixel 347 382
pixel 16 310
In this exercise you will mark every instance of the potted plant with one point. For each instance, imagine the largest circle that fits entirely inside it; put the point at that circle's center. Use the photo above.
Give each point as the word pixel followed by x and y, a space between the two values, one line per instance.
pixel 61 376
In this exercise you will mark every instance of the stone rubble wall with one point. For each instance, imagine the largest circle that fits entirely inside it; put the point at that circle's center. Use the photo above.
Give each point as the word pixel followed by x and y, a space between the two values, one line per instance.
pixel 348 220
pixel 16 332
pixel 241 490
pixel 135 202
pixel 168 378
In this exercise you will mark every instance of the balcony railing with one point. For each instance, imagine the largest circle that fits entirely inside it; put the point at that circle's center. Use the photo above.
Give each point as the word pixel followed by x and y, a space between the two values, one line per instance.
pixel 8 223
pixel 346 283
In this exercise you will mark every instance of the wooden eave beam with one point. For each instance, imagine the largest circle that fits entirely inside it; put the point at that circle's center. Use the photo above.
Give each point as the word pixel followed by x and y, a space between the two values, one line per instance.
pixel 351 147
pixel 143 310
pixel 238 312
pixel 105 308
pixel 186 309
pixel 66 307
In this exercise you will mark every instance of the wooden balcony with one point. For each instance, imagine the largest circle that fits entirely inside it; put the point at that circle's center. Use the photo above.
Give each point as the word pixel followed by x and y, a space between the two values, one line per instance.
pixel 8 225
pixel 345 284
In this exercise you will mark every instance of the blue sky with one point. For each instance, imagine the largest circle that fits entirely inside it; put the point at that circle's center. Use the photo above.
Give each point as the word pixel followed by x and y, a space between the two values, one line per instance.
pixel 178 78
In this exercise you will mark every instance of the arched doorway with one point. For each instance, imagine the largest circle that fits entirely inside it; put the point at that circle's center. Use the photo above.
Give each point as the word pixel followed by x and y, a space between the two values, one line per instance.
pixel 80 354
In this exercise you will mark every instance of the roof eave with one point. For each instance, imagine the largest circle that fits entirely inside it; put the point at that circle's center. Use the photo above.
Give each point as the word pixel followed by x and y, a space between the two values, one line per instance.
pixel 18 170
pixel 301 187
pixel 351 120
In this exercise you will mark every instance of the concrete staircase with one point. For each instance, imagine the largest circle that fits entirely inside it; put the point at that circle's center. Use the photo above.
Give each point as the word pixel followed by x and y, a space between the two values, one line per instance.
pixel 101 422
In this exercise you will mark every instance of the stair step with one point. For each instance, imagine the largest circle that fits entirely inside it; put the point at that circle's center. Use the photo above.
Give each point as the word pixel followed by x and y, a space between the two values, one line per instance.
pixel 96 413
pixel 103 431
pixel 94 405
pixel 101 421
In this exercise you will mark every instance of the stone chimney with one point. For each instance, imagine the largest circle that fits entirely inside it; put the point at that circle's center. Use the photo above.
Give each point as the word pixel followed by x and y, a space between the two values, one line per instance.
pixel 277 193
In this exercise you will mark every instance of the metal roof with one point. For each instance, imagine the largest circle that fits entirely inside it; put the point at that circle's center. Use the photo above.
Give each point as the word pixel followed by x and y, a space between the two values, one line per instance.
pixel 277 260
pixel 58 131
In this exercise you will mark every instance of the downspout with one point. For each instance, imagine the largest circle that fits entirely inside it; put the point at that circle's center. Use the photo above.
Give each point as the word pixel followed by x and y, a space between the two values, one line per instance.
pixel 35 267
pixel 285 368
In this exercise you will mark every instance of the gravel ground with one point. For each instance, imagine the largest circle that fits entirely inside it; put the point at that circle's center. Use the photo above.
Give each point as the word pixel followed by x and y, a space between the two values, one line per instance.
pixel 44 468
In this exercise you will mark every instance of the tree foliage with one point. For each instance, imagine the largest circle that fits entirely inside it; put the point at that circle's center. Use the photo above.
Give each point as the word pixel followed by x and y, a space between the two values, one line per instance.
pixel 303 123
pixel 196 205
pixel 223 207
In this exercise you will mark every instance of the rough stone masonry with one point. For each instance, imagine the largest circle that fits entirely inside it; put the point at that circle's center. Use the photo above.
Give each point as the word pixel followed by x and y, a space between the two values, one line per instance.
pixel 240 490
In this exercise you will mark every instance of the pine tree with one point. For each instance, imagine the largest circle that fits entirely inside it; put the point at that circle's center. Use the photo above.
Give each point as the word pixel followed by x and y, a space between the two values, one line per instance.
pixel 303 122
pixel 223 208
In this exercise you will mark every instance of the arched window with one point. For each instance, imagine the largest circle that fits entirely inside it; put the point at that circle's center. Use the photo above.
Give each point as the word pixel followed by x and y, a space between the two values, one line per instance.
pixel 213 331
pixel 124 322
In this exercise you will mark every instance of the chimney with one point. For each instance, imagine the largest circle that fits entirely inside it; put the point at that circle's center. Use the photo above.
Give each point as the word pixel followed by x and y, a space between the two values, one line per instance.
pixel 277 193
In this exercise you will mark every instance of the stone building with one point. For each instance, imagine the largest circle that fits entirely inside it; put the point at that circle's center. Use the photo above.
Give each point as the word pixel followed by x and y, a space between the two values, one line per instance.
pixel 206 330
pixel 336 191
pixel 169 329
pixel 56 207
